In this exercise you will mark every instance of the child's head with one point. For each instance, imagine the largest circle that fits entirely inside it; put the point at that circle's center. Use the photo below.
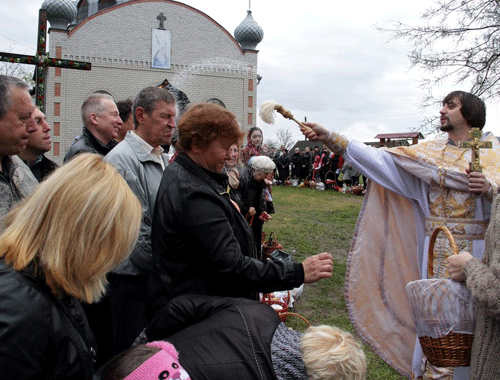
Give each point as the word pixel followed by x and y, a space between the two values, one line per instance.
pixel 153 361
pixel 330 353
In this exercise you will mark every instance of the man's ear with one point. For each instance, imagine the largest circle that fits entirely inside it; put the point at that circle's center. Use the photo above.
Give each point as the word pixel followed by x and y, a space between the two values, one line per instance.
pixel 140 114
pixel 93 118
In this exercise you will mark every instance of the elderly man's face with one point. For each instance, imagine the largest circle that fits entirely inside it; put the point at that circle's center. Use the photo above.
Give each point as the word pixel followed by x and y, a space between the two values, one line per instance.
pixel 108 121
pixel 17 123
pixel 157 128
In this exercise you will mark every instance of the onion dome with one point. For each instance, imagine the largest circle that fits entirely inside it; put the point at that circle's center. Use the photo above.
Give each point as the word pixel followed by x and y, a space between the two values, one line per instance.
pixel 248 33
pixel 59 13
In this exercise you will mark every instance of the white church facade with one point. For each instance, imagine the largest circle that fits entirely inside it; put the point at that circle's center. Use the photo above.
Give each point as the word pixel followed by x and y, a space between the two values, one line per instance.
pixel 138 43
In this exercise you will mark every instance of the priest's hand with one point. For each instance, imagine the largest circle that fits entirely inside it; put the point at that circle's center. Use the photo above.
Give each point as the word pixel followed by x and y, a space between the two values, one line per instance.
pixel 317 267
pixel 315 132
pixel 456 265
pixel 478 183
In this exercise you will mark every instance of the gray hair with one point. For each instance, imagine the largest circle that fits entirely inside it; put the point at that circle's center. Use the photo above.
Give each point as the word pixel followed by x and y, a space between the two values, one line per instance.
pixel 94 104
pixel 7 83
pixel 148 97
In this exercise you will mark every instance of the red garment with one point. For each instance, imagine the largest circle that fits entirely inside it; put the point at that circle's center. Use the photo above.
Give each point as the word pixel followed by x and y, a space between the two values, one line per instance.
pixel 249 151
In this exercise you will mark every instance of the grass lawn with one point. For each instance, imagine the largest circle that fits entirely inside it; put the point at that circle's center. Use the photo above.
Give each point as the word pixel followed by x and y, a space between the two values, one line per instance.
pixel 308 222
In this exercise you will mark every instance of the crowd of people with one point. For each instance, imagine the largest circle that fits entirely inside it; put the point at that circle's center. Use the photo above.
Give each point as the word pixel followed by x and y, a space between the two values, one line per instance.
pixel 95 252
pixel 148 266
pixel 300 168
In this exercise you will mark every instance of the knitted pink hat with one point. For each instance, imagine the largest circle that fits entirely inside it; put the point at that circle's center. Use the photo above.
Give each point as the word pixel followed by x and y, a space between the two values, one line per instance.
pixel 164 365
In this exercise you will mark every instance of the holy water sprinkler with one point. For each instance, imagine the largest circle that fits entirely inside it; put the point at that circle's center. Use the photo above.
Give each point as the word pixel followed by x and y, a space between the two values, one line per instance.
pixel 267 109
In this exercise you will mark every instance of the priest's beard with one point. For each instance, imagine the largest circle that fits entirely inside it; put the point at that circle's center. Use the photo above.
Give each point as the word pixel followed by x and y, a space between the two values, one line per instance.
pixel 447 128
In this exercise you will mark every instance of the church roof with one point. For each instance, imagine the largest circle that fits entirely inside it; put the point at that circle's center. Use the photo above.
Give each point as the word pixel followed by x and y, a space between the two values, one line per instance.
pixel 248 33
pixel 59 13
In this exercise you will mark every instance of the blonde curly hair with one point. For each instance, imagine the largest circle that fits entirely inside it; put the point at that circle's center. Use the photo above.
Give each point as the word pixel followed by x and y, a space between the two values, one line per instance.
pixel 330 353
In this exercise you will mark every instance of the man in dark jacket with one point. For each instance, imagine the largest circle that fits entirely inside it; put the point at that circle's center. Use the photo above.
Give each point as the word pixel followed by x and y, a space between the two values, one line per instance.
pixel 295 160
pixel 39 142
pixel 101 122
pixel 283 165
pixel 306 163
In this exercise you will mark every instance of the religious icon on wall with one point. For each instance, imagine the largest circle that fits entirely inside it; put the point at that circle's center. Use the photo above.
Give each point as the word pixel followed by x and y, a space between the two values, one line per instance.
pixel 160 49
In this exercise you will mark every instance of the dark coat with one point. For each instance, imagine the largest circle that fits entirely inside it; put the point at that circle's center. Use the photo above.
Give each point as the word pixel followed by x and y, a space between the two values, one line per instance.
pixel 43 336
pixel 307 159
pixel 43 167
pixel 87 143
pixel 203 245
pixel 195 325
pixel 252 195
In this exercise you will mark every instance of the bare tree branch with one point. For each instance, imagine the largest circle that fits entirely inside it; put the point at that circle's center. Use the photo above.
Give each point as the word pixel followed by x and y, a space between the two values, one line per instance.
pixel 457 40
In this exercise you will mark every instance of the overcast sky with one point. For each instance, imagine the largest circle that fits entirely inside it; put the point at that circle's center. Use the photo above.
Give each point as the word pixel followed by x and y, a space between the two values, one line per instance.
pixel 320 59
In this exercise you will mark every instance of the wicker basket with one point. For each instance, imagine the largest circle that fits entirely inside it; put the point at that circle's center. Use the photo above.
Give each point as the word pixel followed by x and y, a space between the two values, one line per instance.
pixel 281 305
pixel 270 245
pixel 453 349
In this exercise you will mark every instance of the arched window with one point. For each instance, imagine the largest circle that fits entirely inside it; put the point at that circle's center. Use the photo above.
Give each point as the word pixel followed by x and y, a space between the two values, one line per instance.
pixel 83 11
pixel 216 101
pixel 103 4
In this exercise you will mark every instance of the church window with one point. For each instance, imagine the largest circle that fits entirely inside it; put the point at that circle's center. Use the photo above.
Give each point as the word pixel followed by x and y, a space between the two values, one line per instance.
pixel 103 4
pixel 216 101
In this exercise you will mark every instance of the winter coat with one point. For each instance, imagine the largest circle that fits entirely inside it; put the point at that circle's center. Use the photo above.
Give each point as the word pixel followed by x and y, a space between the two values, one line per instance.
pixel 43 336
pixel 195 325
pixel 87 143
pixel 203 245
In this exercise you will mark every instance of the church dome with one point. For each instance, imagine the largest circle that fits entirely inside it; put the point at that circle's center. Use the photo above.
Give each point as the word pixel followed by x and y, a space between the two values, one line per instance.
pixel 59 13
pixel 248 33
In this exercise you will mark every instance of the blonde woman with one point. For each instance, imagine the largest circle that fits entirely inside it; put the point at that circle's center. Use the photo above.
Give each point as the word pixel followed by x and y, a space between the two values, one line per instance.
pixel 55 251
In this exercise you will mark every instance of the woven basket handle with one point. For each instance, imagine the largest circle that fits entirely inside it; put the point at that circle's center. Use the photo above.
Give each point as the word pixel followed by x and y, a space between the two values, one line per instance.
pixel 454 248
pixel 296 315
pixel 272 240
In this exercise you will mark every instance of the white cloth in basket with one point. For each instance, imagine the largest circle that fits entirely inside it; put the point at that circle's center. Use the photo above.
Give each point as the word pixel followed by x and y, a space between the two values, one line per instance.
pixel 440 306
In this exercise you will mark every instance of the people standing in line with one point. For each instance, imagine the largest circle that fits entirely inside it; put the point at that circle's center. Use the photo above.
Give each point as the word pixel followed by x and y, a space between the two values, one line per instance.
pixel 140 160
pixel 39 142
pixel 16 124
pixel 201 242
pixel 101 124
pixel 126 114
pixel 55 251
pixel 430 185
